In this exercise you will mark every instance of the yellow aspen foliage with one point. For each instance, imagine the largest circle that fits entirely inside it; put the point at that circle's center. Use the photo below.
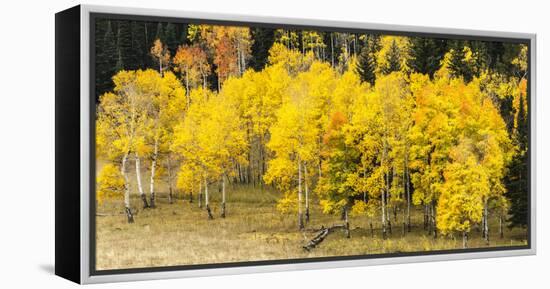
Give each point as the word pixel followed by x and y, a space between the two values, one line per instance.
pixel 209 138
pixel 110 183
pixel 433 133
pixel 122 114
pixel 313 41
pixel 257 97
pixel 292 60
pixel 188 178
pixel 339 178
pixel 294 136
pixel 137 118
pixel 288 38
pixel 306 122
pixel 521 61
pixel 348 89
pixel 461 149
pixel 361 208
pixel 461 203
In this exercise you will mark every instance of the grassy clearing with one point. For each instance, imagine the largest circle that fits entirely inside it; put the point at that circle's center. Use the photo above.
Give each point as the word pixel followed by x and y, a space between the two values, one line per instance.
pixel 180 234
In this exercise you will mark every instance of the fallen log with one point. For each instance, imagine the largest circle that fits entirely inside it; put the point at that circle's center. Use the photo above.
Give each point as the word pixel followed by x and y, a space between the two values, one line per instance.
pixel 323 233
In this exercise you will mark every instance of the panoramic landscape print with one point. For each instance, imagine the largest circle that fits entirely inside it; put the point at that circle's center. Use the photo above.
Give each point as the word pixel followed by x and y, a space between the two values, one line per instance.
pixel 222 144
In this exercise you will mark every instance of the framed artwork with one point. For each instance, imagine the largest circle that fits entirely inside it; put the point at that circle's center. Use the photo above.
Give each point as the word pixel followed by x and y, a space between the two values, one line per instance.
pixel 194 144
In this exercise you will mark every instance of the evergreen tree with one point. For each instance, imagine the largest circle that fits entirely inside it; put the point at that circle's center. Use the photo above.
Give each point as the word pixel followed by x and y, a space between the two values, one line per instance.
pixel 426 54
pixel 366 65
pixel 106 62
pixel 124 45
pixel 458 62
pixel 138 45
pixel 171 38
pixel 150 34
pixel 393 59
pixel 182 32
pixel 494 52
pixel 517 184
pixel 160 33
pixel 119 62
pixel 263 39
pixel 100 30
pixel 486 55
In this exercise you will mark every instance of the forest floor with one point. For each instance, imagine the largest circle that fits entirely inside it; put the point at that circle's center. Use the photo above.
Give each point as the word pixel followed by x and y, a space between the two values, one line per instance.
pixel 181 234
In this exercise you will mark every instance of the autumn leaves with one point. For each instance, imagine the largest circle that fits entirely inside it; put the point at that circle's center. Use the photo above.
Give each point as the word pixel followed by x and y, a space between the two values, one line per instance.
pixel 135 122
pixel 368 146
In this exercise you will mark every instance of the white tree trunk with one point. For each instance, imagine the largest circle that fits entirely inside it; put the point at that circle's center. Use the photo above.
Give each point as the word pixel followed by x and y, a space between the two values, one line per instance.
pixel 170 178
pixel 223 197
pixel 346 218
pixel 383 196
pixel 239 58
pixel 483 223
pixel 191 193
pixel 383 207
pixel 205 192
pixel 434 218
pixel 430 219
pixel 153 170
pixel 388 208
pixel 319 156
pixel 126 189
pixel 500 226
pixel 160 66
pixel 408 200
pixel 219 81
pixel 486 220
pixel 307 193
pixel 332 49
pixel 300 218
pixel 187 92
pixel 346 50
pixel 200 194
pixel 237 48
pixel 140 187
pixel 243 57
pixel 207 205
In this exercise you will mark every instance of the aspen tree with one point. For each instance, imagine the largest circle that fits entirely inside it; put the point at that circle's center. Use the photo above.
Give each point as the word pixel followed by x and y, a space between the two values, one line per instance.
pixel 336 187
pixel 161 55
pixel 119 129
pixel 210 139
pixel 166 105
pixel 291 142
pixel 432 136
pixel 192 63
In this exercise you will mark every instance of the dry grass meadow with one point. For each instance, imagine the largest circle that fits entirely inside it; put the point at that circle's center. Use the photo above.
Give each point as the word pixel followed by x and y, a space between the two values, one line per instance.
pixel 181 234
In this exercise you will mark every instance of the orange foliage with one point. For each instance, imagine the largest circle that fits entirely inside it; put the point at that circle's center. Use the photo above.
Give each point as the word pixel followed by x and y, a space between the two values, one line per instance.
pixel 337 120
